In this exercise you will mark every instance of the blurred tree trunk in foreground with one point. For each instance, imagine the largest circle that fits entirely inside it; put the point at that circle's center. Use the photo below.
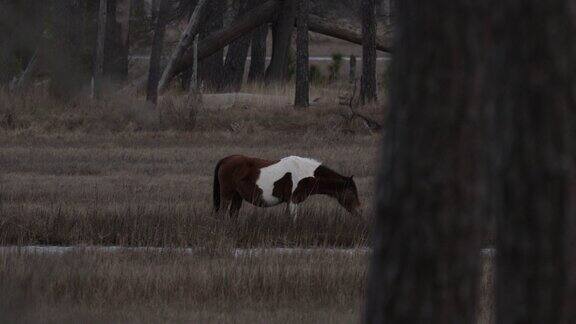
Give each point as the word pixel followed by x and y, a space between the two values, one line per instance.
pixel 302 95
pixel 425 263
pixel 368 81
pixel 212 67
pixel 532 170
pixel 156 55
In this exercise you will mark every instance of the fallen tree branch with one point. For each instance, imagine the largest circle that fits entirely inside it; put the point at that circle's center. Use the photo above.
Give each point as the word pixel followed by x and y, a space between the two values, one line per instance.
pixel 331 28
pixel 371 124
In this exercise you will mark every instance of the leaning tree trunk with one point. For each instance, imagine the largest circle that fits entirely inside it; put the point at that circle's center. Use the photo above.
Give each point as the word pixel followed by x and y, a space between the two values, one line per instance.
pixel 237 54
pixel 302 96
pixel 425 261
pixel 368 82
pixel 198 16
pixel 212 67
pixel 533 154
pixel 156 55
pixel 258 54
pixel 281 39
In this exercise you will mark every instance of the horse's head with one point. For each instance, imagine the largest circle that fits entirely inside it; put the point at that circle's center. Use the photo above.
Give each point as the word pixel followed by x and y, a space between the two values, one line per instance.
pixel 348 196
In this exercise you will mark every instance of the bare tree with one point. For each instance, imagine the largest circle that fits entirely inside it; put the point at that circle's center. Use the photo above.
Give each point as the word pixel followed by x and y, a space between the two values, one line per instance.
pixel 237 54
pixel 368 83
pixel 425 262
pixel 117 39
pixel 302 74
pixel 258 54
pixel 281 39
pixel 255 18
pixel 218 40
pixel 156 55
pixel 212 67
pixel 352 71
pixel 532 118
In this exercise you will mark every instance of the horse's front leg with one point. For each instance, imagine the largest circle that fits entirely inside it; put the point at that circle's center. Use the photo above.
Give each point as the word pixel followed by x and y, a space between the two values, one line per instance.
pixel 235 205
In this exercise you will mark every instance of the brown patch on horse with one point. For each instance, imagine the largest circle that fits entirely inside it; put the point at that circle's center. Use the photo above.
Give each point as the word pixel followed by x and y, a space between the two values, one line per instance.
pixel 237 175
pixel 283 187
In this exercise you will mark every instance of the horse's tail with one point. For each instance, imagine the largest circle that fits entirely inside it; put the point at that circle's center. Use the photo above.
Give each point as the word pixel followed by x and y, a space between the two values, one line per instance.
pixel 216 187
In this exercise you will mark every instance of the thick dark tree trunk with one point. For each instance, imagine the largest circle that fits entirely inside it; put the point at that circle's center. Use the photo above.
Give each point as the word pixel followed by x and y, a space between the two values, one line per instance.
pixel 117 40
pixel 368 83
pixel 352 70
pixel 302 77
pixel 281 40
pixel 533 161
pixel 156 55
pixel 68 72
pixel 237 54
pixel 258 54
pixel 212 68
pixel 425 262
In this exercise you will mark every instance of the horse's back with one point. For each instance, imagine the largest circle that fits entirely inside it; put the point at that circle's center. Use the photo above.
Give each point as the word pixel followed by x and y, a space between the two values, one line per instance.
pixel 236 167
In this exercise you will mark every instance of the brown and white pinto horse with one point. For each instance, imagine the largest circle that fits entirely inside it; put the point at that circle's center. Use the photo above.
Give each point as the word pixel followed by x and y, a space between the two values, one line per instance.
pixel 267 183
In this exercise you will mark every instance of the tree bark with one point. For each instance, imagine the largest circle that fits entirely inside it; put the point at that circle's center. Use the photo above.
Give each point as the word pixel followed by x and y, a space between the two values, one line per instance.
pixel 532 170
pixel 100 46
pixel 68 73
pixel 281 40
pixel 237 54
pixel 426 244
pixel 198 16
pixel 368 81
pixel 302 95
pixel 115 64
pixel 258 54
pixel 212 67
pixel 156 55
pixel 352 71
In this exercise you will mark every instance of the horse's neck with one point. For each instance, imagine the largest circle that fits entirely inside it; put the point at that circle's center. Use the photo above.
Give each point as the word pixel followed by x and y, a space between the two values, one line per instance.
pixel 328 186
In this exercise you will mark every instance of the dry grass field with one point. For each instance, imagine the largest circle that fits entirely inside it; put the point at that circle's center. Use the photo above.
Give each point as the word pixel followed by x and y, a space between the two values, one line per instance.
pixel 120 173
pixel 167 287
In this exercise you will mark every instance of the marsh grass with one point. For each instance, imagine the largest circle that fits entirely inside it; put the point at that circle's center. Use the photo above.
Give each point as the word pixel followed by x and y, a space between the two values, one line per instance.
pixel 168 287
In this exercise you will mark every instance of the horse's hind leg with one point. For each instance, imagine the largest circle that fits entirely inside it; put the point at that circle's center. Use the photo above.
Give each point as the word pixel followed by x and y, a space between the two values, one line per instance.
pixel 235 205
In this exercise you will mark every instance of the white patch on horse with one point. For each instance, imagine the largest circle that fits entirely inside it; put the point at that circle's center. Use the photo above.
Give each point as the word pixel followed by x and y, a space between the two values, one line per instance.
pixel 299 167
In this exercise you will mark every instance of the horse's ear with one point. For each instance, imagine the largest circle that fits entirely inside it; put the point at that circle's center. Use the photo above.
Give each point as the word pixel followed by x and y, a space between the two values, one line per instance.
pixel 351 177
